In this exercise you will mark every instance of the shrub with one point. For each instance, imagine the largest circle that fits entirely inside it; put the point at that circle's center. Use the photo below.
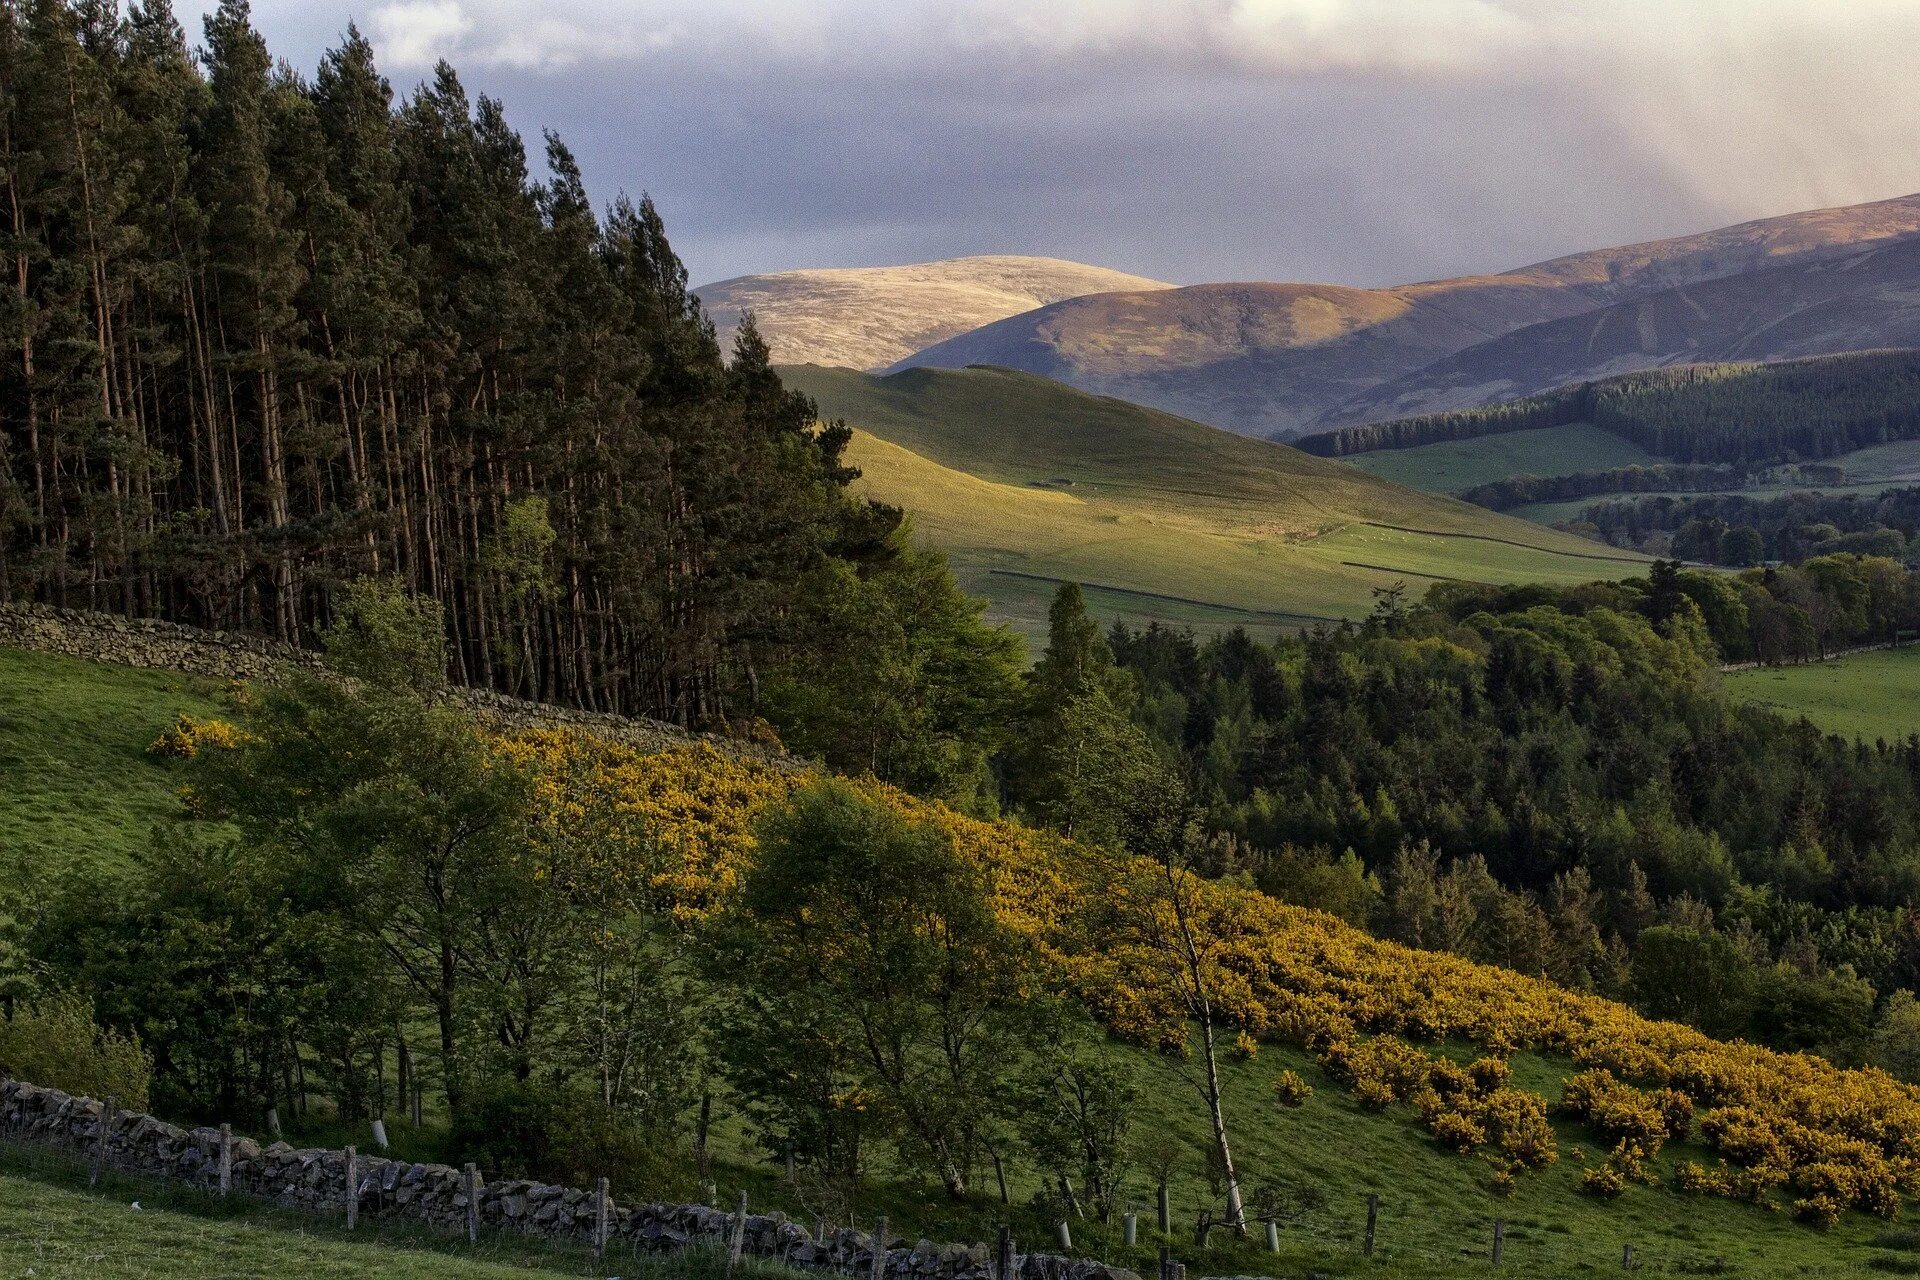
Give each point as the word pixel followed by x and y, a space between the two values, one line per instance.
pixel 1489 1074
pixel 1245 1047
pixel 1821 1211
pixel 1458 1131
pixel 1290 1090
pixel 187 737
pixel 1604 1181
pixel 55 1043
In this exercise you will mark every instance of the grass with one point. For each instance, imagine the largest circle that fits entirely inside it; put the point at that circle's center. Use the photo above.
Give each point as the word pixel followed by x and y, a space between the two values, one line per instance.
pixel 1315 1164
pixel 77 787
pixel 1025 483
pixel 1863 695
pixel 1456 465
pixel 53 1226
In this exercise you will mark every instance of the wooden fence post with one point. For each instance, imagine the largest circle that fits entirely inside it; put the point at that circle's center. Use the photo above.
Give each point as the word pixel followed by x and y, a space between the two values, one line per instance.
pixel 1273 1236
pixel 380 1134
pixel 473 1203
pixel 226 1159
pixel 880 1238
pixel 1065 1234
pixel 1626 1257
pixel 353 1188
pixel 737 1238
pixel 1499 1239
pixel 602 1210
pixel 1130 1228
pixel 1166 1212
pixel 1003 1255
pixel 100 1147
pixel 1166 1262
pixel 1373 1219
pixel 273 1121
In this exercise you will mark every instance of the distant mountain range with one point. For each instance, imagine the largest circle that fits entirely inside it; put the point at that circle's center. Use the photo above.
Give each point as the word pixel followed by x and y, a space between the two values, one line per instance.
pixel 1281 359
pixel 870 317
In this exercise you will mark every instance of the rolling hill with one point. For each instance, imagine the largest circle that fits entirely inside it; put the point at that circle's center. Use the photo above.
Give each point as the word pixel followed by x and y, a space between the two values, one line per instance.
pixel 1283 358
pixel 869 317
pixel 1026 482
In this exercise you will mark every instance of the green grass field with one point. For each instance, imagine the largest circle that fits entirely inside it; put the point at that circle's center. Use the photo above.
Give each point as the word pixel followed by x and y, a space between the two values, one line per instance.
pixel 1314 1166
pixel 77 786
pixel 1026 483
pixel 1863 695
pixel 1456 465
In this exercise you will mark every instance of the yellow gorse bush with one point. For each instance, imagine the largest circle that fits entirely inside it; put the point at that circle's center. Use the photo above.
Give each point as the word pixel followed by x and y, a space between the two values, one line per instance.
pixel 674 830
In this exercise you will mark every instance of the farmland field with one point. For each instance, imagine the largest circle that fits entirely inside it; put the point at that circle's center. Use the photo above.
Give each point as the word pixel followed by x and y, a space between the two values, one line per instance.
pixel 1026 483
pixel 1865 695
pixel 1456 465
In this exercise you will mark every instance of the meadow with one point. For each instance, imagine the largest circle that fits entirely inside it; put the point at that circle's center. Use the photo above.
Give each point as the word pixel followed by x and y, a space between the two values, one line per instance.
pixel 1453 466
pixel 1026 483
pixel 1862 695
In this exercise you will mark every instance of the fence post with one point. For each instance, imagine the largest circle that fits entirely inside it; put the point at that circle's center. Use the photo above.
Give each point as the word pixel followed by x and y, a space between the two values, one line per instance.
pixel 100 1147
pixel 273 1121
pixel 1065 1233
pixel 226 1159
pixel 1273 1236
pixel 353 1188
pixel 1166 1212
pixel 1003 1255
pixel 1499 1239
pixel 737 1238
pixel 601 1211
pixel 1130 1228
pixel 1626 1257
pixel 1373 1218
pixel 1166 1262
pixel 473 1203
pixel 380 1134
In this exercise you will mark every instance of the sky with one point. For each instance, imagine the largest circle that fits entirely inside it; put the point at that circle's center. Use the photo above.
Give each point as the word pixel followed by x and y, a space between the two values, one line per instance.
pixel 1361 142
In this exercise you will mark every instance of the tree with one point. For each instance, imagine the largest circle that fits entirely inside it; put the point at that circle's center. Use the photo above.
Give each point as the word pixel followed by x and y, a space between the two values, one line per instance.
pixel 1075 1107
pixel 868 940
pixel 1692 976
pixel 921 689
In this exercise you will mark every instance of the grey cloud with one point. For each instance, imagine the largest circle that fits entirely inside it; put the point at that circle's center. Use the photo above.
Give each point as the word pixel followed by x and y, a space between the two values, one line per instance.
pixel 1359 141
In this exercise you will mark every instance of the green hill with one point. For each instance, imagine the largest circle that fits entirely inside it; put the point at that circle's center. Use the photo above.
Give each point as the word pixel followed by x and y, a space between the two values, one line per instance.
pixel 1312 1167
pixel 1026 482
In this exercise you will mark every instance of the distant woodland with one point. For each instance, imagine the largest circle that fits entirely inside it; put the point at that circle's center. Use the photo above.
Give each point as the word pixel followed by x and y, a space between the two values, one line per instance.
pixel 1741 415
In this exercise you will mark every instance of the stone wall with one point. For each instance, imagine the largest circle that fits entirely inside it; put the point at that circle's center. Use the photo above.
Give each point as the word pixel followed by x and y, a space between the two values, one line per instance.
pixel 435 1195
pixel 228 655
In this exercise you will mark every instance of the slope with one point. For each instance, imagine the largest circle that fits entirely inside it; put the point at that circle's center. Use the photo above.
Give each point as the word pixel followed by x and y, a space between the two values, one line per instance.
pixel 1867 299
pixel 1312 1167
pixel 868 317
pixel 1278 358
pixel 1026 482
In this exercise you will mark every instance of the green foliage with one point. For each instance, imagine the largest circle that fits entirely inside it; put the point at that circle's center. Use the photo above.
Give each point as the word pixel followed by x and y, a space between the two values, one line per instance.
pixel 54 1041
pixel 276 333
pixel 920 690
pixel 388 637
pixel 864 944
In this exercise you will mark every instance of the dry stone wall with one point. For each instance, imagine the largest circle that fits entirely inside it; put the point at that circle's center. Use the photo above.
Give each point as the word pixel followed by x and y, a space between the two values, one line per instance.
pixel 227 655
pixel 436 1195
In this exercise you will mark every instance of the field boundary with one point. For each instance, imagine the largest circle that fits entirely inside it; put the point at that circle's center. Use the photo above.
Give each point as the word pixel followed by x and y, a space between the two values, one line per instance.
pixel 1505 542
pixel 356 1186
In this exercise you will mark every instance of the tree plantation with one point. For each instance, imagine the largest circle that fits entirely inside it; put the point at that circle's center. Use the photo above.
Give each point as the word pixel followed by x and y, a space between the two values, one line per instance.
pixel 267 333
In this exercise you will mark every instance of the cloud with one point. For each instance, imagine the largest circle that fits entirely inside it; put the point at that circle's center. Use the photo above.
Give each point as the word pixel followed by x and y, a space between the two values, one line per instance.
pixel 1362 141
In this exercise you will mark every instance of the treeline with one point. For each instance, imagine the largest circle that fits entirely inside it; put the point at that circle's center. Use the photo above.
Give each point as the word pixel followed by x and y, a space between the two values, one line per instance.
pixel 1546 778
pixel 1518 491
pixel 268 333
pixel 1743 415
pixel 1739 531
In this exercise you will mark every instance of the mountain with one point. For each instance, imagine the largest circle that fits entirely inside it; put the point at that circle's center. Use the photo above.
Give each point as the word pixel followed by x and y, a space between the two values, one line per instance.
pixel 869 317
pixel 1282 358
pixel 1864 299
pixel 1026 482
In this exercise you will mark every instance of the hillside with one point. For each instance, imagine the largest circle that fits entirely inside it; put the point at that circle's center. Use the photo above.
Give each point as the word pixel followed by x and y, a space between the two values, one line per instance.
pixel 1314 1165
pixel 869 317
pixel 1854 415
pixel 1026 482
pixel 1867 299
pixel 1281 358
